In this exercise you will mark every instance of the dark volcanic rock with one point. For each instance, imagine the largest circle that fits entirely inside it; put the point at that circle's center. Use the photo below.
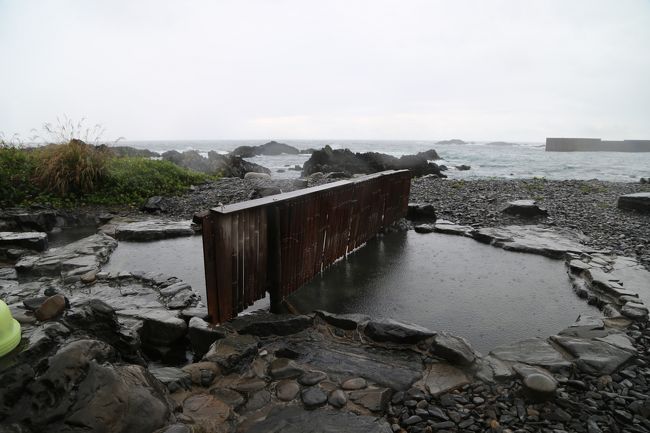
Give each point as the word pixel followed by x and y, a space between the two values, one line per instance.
pixel 225 165
pixel 639 201
pixel 79 390
pixel 328 160
pixel 265 324
pixel 270 148
pixel 234 352
pixel 35 241
pixel 202 335
pixel 525 208
pixel 421 211
pixel 397 332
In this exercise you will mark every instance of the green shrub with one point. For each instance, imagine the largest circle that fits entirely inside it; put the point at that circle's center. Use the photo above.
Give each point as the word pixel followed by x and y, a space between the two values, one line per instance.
pixel 131 180
pixel 17 168
pixel 71 168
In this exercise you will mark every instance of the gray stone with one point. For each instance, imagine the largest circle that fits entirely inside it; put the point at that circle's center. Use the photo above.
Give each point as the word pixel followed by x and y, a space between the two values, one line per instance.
pixel 257 400
pixel 534 351
pixel 153 229
pixel 283 368
pixel 159 327
pixel 639 201
pixel 202 335
pixel 294 419
pixel 35 241
pixel 454 349
pixel 337 398
pixel 313 397
pixel 51 308
pixel 525 208
pixel 373 399
pixel 539 383
pixel 173 378
pixel 310 378
pixel 440 378
pixel 396 332
pixel 354 383
pixel 287 390
pixel 343 321
pixel 634 311
pixel 84 255
pixel 594 357
pixel 233 352
pixel 453 229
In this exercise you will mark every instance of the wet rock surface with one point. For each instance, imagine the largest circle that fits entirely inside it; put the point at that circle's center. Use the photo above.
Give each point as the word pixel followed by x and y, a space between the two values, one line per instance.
pixel 149 230
pixel 587 206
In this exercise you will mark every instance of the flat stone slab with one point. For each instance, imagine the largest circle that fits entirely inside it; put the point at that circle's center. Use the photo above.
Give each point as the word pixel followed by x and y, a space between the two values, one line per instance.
pixel 76 258
pixel 639 201
pixel 441 377
pixel 294 419
pixel 534 351
pixel 532 239
pixel 594 356
pixel 394 369
pixel 150 230
pixel 35 241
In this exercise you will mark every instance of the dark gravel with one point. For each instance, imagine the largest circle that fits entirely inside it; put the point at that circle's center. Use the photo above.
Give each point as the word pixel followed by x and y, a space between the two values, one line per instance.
pixel 612 403
pixel 588 206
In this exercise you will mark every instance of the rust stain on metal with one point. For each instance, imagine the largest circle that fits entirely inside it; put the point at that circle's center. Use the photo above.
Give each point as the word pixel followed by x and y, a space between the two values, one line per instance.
pixel 279 243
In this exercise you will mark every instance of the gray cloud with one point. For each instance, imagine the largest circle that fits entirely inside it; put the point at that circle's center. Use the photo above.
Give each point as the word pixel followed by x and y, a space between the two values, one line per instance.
pixel 338 69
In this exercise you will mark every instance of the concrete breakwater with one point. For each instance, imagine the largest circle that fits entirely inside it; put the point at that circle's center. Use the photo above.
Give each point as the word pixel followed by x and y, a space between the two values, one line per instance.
pixel 595 145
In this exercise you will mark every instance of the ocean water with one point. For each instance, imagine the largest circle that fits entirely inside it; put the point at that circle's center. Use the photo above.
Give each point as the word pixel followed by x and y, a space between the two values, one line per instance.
pixel 508 161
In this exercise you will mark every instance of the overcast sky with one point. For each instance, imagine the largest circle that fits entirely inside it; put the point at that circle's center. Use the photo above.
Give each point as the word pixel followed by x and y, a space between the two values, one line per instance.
pixel 273 69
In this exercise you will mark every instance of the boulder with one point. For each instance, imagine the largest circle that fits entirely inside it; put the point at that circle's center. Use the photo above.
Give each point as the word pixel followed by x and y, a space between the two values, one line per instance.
pixel 343 160
pixel 233 352
pixel 463 167
pixel 373 399
pixel 51 308
pixel 639 201
pixel 525 208
pixel 440 378
pixel 421 211
pixel 396 332
pixel 149 230
pixel 313 397
pixel 539 384
pixel 202 335
pixel 155 204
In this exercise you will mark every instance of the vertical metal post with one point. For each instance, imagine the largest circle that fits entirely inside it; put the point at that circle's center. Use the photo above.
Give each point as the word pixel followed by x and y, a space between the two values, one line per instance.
pixel 274 268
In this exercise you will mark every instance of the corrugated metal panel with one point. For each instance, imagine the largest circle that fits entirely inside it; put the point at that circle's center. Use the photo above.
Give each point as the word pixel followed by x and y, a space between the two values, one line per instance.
pixel 281 242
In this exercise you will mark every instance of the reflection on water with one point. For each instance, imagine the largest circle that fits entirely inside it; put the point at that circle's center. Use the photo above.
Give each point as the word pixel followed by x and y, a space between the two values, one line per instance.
pixel 444 282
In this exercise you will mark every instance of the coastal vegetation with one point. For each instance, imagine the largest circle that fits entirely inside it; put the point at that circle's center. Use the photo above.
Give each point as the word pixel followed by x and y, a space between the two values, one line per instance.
pixel 75 173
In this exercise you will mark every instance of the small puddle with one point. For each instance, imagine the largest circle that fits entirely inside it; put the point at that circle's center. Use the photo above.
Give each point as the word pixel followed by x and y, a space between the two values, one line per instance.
pixel 443 282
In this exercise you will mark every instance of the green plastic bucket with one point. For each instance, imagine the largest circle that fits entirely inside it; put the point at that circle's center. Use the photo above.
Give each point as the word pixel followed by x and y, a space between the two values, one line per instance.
pixel 9 330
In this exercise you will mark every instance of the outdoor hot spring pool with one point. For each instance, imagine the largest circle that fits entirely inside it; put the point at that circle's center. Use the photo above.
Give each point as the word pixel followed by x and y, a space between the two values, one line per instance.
pixel 443 282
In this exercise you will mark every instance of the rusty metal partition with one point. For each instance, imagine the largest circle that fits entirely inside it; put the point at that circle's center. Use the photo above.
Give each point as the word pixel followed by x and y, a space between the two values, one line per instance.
pixel 279 243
